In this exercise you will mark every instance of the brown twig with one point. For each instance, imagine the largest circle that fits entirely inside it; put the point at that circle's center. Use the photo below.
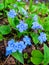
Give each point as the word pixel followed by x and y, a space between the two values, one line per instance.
pixel 6 60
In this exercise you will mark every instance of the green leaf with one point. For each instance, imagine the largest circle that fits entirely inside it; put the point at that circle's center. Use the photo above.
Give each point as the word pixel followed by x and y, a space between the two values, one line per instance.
pixel 29 22
pixel 46 55
pixel 46 26
pixel 9 1
pixel 1 6
pixel 18 56
pixel 13 21
pixel 37 57
pixel 30 5
pixel 34 37
pixel 20 4
pixel 1 37
pixel 5 29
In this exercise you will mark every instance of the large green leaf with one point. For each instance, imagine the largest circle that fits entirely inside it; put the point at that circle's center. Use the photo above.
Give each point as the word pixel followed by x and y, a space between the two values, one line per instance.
pixel 37 57
pixel 34 38
pixel 46 55
pixel 18 56
pixel 5 29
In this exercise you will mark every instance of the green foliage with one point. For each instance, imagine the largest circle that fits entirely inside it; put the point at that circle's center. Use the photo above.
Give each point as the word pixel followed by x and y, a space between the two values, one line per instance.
pixel 13 21
pixel 46 24
pixel 5 29
pixel 42 9
pixel 34 8
pixel 18 56
pixel 20 34
pixel 34 37
pixel 37 57
pixel 46 55
pixel 20 4
pixel 1 6
pixel 9 1
pixel 29 22
pixel 30 5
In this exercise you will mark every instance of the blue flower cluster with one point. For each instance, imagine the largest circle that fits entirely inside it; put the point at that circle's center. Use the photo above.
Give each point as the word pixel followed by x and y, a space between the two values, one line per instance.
pixel 37 26
pixel 12 13
pixel 42 38
pixel 22 26
pixel 17 46
pixel 27 40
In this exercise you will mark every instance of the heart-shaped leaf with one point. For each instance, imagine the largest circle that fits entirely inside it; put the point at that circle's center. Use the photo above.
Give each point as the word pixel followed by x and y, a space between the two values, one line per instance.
pixel 37 57
pixel 18 56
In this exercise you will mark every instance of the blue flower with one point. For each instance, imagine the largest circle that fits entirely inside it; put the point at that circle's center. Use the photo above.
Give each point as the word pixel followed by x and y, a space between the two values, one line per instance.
pixel 22 26
pixel 42 38
pixel 27 40
pixel 12 13
pixel 37 2
pixel 10 42
pixel 35 18
pixel 8 50
pixel 36 25
pixel 20 46
pixel 11 47
pixel 15 46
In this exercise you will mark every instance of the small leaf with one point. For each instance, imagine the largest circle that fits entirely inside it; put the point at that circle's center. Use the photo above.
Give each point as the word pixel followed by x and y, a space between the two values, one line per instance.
pixel 18 56
pixel 34 38
pixel 37 57
pixel 5 29
pixel 46 54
